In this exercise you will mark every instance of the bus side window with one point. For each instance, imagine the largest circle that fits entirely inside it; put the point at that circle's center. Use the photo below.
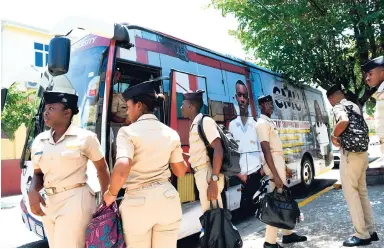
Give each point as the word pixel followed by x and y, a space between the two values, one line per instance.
pixel 222 112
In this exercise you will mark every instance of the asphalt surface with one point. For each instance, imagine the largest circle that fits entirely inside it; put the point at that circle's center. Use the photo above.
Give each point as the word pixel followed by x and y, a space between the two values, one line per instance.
pixel 327 222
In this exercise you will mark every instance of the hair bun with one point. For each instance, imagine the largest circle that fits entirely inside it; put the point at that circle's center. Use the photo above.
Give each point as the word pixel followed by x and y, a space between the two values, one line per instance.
pixel 75 111
pixel 160 99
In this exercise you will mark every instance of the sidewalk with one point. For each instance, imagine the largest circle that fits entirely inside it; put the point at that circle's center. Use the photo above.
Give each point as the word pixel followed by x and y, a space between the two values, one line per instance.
pixel 327 222
pixel 10 201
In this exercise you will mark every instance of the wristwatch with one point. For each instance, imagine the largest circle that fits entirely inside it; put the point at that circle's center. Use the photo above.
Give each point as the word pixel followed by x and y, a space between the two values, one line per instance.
pixel 215 178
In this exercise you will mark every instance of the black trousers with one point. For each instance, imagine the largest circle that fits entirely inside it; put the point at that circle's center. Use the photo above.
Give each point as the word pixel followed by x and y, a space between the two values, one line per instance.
pixel 248 190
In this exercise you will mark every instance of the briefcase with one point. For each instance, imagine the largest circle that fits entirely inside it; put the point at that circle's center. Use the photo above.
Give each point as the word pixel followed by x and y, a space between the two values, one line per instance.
pixel 279 209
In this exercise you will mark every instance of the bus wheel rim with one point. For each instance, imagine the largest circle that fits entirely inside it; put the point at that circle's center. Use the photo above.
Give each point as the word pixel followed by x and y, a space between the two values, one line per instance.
pixel 307 174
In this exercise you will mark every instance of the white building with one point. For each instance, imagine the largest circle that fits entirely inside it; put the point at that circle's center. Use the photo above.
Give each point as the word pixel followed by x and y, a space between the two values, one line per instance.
pixel 23 53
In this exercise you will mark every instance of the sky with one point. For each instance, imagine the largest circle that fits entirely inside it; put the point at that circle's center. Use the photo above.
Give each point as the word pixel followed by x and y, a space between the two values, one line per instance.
pixel 186 19
pixel 189 20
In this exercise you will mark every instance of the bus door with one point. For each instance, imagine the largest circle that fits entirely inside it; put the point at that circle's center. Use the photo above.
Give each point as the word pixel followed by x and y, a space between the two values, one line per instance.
pixel 182 82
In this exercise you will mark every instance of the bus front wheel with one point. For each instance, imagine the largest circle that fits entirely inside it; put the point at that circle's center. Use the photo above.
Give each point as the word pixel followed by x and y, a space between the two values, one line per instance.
pixel 307 173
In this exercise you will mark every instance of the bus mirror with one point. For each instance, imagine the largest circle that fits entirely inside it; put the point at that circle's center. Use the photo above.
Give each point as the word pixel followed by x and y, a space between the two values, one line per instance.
pixel 59 56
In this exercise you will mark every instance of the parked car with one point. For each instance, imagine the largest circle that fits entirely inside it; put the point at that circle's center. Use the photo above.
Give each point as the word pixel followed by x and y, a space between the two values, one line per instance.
pixel 336 155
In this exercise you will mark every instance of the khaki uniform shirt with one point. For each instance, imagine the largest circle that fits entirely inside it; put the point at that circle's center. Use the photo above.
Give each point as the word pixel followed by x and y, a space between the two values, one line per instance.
pixel 379 113
pixel 64 163
pixel 339 110
pixel 119 106
pixel 152 146
pixel 267 132
pixel 198 154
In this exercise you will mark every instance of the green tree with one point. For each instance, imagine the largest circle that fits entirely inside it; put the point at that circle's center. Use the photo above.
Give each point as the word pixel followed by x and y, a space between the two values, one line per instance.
pixel 312 42
pixel 19 109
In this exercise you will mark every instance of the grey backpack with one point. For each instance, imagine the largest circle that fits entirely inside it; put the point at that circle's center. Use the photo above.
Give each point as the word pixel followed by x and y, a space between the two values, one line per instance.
pixel 231 155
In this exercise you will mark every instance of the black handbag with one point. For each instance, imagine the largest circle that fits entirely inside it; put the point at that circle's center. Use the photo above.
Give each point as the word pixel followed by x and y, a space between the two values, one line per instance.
pixel 279 209
pixel 218 230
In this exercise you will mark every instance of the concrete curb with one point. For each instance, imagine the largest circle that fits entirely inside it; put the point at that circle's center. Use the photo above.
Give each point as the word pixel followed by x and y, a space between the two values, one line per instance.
pixel 375 176
pixel 375 172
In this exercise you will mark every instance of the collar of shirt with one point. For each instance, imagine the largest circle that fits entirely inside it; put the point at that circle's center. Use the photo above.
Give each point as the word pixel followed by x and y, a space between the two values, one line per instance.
pixel 381 87
pixel 146 117
pixel 266 118
pixel 71 131
pixel 239 122
pixel 197 118
pixel 343 101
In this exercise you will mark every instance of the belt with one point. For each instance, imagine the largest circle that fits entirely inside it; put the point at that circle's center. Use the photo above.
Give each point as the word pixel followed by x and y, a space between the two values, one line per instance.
pixel 200 167
pixel 147 185
pixel 54 190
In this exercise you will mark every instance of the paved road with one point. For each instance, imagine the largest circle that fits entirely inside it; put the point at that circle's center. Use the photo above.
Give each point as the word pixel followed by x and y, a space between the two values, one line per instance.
pixel 327 222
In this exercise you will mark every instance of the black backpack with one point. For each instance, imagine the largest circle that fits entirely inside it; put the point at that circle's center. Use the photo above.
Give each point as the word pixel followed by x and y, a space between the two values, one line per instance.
pixel 218 230
pixel 231 155
pixel 356 137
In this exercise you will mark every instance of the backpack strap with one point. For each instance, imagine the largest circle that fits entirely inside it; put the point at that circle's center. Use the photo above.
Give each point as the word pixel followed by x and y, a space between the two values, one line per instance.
pixel 200 130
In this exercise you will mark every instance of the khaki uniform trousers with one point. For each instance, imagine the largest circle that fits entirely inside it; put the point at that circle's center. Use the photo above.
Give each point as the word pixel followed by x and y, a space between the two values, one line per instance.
pixel 68 215
pixel 202 177
pixel 353 168
pixel 278 159
pixel 151 216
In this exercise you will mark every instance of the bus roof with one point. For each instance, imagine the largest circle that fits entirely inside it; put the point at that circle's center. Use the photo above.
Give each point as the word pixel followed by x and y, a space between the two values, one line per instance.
pixel 233 58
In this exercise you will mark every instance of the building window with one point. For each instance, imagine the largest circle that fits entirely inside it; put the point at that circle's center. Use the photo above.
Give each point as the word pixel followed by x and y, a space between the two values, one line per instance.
pixel 41 54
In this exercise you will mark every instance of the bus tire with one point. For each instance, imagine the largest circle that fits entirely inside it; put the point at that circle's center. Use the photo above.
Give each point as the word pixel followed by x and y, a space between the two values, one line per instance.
pixel 307 173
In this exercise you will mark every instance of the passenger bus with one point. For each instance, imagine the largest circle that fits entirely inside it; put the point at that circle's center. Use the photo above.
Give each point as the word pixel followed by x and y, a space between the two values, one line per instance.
pixel 141 54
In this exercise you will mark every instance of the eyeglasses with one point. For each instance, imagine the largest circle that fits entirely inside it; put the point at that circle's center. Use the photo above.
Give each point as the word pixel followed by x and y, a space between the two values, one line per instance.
pixel 244 95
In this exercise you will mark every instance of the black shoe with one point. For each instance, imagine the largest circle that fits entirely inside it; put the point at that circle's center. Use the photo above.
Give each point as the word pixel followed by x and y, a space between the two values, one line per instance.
pixel 354 241
pixel 374 237
pixel 267 245
pixel 292 238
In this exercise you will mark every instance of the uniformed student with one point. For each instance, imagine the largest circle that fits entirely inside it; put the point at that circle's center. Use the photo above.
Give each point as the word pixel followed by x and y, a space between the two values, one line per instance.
pixel 118 108
pixel 59 158
pixel 119 116
pixel 243 129
pixel 353 168
pixel 374 76
pixel 275 166
pixel 151 210
pixel 209 180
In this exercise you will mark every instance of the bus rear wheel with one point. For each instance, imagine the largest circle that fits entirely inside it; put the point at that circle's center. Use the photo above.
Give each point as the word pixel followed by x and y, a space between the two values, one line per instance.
pixel 307 173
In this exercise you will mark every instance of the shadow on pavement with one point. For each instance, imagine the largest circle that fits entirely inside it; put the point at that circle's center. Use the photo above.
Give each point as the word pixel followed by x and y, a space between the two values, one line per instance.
pixel 36 244
pixel 300 192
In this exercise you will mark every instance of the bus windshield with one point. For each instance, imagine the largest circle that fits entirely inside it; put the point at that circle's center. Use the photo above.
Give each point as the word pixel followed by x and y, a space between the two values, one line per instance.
pixel 83 78
pixel 83 67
